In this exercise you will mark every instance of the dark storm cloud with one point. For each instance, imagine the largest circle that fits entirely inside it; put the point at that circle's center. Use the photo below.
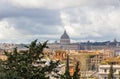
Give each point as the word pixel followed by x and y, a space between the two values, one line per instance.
pixel 32 21
pixel 28 24
pixel 44 16
pixel 34 26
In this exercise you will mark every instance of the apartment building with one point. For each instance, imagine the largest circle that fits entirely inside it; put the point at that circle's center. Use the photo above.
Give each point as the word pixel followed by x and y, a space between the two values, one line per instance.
pixel 104 71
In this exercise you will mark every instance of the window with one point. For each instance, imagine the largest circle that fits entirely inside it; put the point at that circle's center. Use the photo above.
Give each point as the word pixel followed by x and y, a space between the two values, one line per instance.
pixel 105 70
pixel 105 77
pixel 114 70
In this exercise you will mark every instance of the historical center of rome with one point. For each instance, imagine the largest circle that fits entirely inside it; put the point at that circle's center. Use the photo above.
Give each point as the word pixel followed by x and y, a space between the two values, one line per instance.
pixel 59 39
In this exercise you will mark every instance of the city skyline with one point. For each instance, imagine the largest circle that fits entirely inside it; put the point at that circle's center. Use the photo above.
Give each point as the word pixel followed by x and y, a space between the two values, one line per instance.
pixel 25 20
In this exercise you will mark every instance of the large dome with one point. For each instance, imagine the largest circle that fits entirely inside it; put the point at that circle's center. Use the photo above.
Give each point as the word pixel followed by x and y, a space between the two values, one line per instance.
pixel 65 35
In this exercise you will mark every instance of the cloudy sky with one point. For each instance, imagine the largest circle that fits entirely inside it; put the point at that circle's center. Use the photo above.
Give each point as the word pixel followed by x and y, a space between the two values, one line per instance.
pixel 22 21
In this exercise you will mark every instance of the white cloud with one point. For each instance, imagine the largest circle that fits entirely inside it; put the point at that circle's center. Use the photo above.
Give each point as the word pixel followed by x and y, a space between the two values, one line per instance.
pixel 60 4
pixel 49 4
pixel 83 19
pixel 7 31
pixel 25 30
pixel 96 23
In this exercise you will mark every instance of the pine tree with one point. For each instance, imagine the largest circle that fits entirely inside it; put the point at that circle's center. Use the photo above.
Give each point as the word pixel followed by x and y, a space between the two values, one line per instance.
pixel 111 75
pixel 29 64
pixel 76 74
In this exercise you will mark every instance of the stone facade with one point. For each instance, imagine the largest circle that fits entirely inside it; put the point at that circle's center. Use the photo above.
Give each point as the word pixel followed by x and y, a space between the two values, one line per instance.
pixel 64 43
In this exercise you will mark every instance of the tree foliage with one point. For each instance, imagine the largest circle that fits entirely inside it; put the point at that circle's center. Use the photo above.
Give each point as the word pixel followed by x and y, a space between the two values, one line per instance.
pixel 29 64
pixel 76 74
pixel 67 75
pixel 110 75
pixel 119 74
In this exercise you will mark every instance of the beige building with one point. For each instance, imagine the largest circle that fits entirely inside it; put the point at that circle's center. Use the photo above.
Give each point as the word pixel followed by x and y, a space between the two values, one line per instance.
pixel 104 71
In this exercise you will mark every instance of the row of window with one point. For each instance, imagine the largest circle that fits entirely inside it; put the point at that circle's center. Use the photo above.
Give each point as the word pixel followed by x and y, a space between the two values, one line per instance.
pixel 107 78
pixel 105 70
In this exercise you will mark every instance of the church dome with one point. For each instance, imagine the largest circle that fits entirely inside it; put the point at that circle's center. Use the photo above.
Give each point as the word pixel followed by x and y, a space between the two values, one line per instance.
pixel 65 35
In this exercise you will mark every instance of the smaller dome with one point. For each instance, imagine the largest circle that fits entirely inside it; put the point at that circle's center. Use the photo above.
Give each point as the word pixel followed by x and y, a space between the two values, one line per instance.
pixel 65 35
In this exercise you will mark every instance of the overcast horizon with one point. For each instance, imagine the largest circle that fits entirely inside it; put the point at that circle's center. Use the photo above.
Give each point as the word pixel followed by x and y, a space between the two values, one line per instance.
pixel 22 21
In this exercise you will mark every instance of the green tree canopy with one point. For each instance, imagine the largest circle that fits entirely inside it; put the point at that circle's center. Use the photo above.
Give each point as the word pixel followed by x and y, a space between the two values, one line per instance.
pixel 29 64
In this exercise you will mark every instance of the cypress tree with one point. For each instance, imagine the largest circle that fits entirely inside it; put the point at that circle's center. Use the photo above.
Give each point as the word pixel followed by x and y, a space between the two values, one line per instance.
pixel 111 73
pixel 67 73
pixel 76 74
pixel 119 74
